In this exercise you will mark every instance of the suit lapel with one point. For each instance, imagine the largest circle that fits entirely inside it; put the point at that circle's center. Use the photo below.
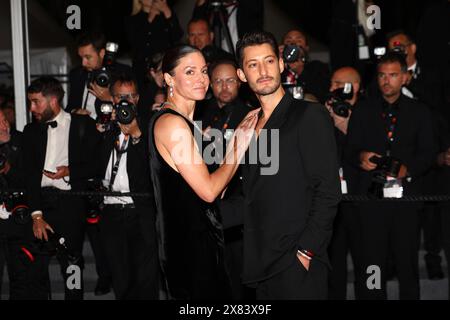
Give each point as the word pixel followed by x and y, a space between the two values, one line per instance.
pixel 42 145
pixel 275 122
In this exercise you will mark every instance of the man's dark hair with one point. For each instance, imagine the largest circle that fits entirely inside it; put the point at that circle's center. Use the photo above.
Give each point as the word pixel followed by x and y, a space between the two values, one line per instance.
pixel 122 78
pixel 48 87
pixel 298 29
pixel 253 39
pixel 195 20
pixel 173 56
pixel 395 33
pixel 220 62
pixel 393 57
pixel 97 39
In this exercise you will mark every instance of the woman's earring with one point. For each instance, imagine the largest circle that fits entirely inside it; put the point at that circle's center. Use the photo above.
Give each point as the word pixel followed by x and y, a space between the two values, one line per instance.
pixel 171 91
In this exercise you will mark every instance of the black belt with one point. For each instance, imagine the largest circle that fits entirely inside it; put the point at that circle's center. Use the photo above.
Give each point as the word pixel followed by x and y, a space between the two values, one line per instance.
pixel 120 206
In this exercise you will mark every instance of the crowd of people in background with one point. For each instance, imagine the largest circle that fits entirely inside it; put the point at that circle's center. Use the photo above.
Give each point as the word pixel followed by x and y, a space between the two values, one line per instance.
pixel 386 134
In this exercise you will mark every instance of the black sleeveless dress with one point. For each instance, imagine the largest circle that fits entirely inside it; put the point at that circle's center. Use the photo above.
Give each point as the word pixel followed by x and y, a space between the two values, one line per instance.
pixel 190 237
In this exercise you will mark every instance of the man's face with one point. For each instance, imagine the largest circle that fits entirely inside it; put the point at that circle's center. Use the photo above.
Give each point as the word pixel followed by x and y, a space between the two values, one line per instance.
pixel 341 77
pixel 297 38
pixel 402 41
pixel 198 35
pixel 390 79
pixel 125 91
pixel 261 69
pixel 225 83
pixel 90 58
pixel 40 107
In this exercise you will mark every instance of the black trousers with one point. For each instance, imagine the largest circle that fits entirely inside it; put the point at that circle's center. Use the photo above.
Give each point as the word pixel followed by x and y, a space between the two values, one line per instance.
pixel 296 283
pixel 445 211
pixel 132 256
pixel 22 274
pixel 430 220
pixel 101 263
pixel 391 227
pixel 346 238
pixel 65 214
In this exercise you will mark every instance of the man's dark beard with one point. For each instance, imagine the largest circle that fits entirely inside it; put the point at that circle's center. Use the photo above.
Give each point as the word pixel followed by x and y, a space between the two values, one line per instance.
pixel 268 91
pixel 47 115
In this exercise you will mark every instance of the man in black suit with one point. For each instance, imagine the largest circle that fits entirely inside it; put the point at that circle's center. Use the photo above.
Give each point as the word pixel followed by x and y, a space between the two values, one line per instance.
pixel 127 226
pixel 424 84
pixel 291 200
pixel 401 128
pixel 312 76
pixel 86 96
pixel 59 152
pixel 240 16
pixel 15 232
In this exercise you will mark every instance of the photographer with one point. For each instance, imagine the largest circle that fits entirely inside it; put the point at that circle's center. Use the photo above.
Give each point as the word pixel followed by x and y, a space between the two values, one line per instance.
pixel 59 153
pixel 303 78
pixel 391 139
pixel 127 224
pixel 344 96
pixel 15 225
pixel 153 27
pixel 241 16
pixel 86 95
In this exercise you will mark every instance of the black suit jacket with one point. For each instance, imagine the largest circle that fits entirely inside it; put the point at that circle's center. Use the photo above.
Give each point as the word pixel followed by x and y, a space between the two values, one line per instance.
pixel 250 15
pixel 137 164
pixel 78 78
pixel 413 145
pixel 295 207
pixel 83 144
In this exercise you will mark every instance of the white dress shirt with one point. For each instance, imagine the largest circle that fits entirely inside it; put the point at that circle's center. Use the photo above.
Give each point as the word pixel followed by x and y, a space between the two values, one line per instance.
pixel 57 153
pixel 121 183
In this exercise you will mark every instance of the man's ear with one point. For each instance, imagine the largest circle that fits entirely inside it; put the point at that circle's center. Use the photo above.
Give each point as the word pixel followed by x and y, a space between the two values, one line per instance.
pixel 102 53
pixel 211 35
pixel 413 48
pixel 241 75
pixel 281 64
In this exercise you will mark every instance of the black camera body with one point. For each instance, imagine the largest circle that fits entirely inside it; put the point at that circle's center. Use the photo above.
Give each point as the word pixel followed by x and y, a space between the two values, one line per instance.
pixel 338 100
pixel 15 203
pixel 293 53
pixel 55 246
pixel 94 203
pixel 125 112
pixel 387 166
pixel 103 76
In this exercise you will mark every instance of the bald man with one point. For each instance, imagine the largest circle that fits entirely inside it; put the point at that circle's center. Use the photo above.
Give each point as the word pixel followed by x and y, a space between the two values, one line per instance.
pixel 339 78
pixel 346 232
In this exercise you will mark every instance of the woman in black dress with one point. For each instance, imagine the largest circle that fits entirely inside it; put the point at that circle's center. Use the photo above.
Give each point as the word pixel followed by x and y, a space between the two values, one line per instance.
pixel 189 230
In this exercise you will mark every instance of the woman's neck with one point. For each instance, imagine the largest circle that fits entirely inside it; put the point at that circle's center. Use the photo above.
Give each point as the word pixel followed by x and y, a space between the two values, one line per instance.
pixel 182 106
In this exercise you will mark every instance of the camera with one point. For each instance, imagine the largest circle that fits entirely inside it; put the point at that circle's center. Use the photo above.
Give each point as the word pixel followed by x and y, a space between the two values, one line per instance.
pixel 387 166
pixel 397 48
pixel 15 203
pixel 337 100
pixel 105 115
pixel 102 76
pixel 125 112
pixel 55 246
pixel 293 53
pixel 94 202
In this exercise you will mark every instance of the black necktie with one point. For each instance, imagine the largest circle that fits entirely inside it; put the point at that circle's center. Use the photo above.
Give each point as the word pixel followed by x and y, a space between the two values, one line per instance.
pixel 52 124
